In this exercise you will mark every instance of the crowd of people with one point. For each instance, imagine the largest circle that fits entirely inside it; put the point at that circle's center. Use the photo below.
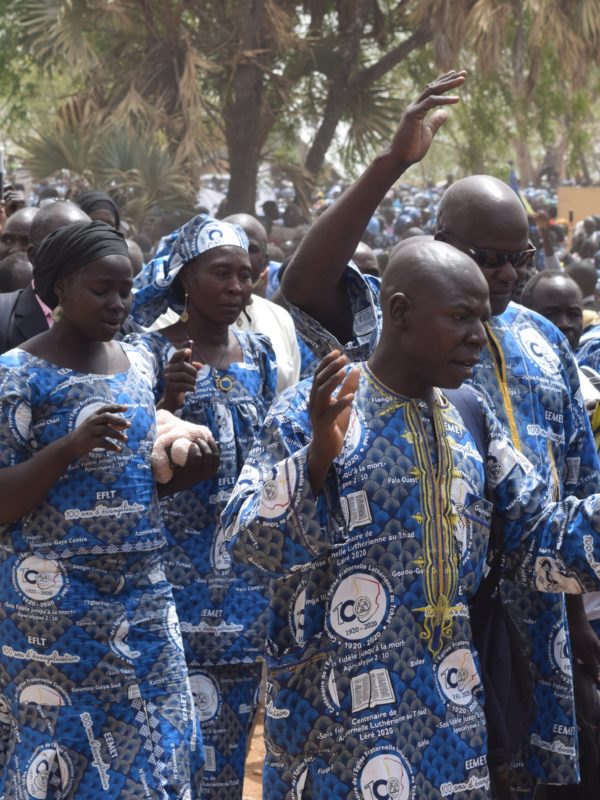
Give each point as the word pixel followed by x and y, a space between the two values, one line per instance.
pixel 348 459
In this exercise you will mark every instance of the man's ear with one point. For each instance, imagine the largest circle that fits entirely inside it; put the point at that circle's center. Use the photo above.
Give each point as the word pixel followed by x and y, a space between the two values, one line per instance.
pixel 31 254
pixel 399 309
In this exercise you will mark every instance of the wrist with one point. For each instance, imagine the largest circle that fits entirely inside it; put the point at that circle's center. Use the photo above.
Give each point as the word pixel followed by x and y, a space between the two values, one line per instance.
pixel 318 464
pixel 393 166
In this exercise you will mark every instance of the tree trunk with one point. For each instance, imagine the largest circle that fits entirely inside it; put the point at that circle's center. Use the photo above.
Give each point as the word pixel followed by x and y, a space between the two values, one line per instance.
pixel 524 163
pixel 243 111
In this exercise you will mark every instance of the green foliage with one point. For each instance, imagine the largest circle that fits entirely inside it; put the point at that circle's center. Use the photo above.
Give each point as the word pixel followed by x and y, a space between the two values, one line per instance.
pixel 135 167
pixel 134 94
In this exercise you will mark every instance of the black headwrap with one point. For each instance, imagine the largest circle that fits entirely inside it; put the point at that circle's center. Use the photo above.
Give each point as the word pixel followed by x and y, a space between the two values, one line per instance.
pixel 68 249
pixel 92 201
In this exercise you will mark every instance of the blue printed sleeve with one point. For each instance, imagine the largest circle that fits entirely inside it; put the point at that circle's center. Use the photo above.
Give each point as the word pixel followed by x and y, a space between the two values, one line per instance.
pixel 363 296
pixel 550 547
pixel 273 521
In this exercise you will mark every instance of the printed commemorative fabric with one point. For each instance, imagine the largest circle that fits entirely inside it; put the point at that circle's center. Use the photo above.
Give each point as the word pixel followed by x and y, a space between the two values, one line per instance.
pixel 363 296
pixel 273 282
pixel 373 685
pixel 308 361
pixel 588 352
pixel 226 700
pixel 528 377
pixel 105 502
pixel 95 699
pixel 221 606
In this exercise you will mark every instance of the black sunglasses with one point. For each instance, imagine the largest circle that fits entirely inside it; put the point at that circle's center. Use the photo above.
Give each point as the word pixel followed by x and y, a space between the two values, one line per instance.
pixel 492 259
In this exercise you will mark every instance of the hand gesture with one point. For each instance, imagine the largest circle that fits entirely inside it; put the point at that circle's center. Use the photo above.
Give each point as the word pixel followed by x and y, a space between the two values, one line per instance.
pixel 103 429
pixel 14 199
pixel 202 463
pixel 415 133
pixel 180 377
pixel 329 415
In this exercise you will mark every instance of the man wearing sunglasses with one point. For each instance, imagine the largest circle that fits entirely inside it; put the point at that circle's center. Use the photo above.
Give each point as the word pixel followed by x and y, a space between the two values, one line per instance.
pixel 526 373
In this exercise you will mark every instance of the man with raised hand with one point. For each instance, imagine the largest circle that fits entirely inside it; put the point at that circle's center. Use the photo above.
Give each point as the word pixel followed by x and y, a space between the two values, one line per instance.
pixel 526 373
pixel 368 499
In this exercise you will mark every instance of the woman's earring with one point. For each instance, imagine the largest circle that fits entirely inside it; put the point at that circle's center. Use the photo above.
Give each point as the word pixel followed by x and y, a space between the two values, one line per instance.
pixel 57 313
pixel 184 316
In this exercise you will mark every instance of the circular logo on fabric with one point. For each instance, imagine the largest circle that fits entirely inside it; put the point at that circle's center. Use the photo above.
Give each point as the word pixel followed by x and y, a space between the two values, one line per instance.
pixel 296 616
pixel 224 422
pixel 329 691
pixel 383 776
pixel 299 781
pixel 352 439
pixel 4 710
pixel 560 650
pixel 276 492
pixel 173 626
pixel 41 767
pixel 359 604
pixel 206 694
pixel 43 693
pixel 219 555
pixel 22 421
pixel 118 640
pixel 39 579
pixel 457 677
pixel 86 411
pixel 539 350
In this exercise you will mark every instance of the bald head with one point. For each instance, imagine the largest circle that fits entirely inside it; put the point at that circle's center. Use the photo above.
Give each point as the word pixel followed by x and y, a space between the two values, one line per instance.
pixel 484 212
pixel 434 302
pixel 422 265
pixel 585 276
pixel 50 218
pixel 16 232
pixel 257 241
pixel 366 260
pixel 135 256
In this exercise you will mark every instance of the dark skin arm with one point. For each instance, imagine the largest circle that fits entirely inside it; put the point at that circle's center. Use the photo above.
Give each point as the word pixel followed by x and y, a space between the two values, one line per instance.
pixel 585 643
pixel 203 458
pixel 332 239
pixel 40 472
pixel 329 416
pixel 202 463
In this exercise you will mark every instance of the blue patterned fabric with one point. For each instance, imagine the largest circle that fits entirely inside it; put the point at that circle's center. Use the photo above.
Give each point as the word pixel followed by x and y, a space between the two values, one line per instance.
pixel 226 701
pixel 94 694
pixel 273 283
pixel 222 607
pixel 528 376
pixel 373 685
pixel 588 352
pixel 152 292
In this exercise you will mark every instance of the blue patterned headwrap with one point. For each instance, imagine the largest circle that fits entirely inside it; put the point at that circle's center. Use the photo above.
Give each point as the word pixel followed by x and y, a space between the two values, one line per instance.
pixel 153 288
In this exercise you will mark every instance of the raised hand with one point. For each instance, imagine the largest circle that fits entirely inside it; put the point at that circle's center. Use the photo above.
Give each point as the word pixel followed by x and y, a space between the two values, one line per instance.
pixel 416 130
pixel 180 377
pixel 329 415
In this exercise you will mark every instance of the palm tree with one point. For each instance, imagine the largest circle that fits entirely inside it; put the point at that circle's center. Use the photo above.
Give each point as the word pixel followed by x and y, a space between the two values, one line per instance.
pixel 516 40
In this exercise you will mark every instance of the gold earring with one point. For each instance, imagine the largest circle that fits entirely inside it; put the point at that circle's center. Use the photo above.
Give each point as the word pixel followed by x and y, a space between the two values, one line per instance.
pixel 184 316
pixel 57 313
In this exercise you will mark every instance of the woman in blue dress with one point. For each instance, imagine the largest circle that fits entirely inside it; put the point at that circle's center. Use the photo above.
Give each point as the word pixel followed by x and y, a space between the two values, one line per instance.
pixel 95 698
pixel 225 380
